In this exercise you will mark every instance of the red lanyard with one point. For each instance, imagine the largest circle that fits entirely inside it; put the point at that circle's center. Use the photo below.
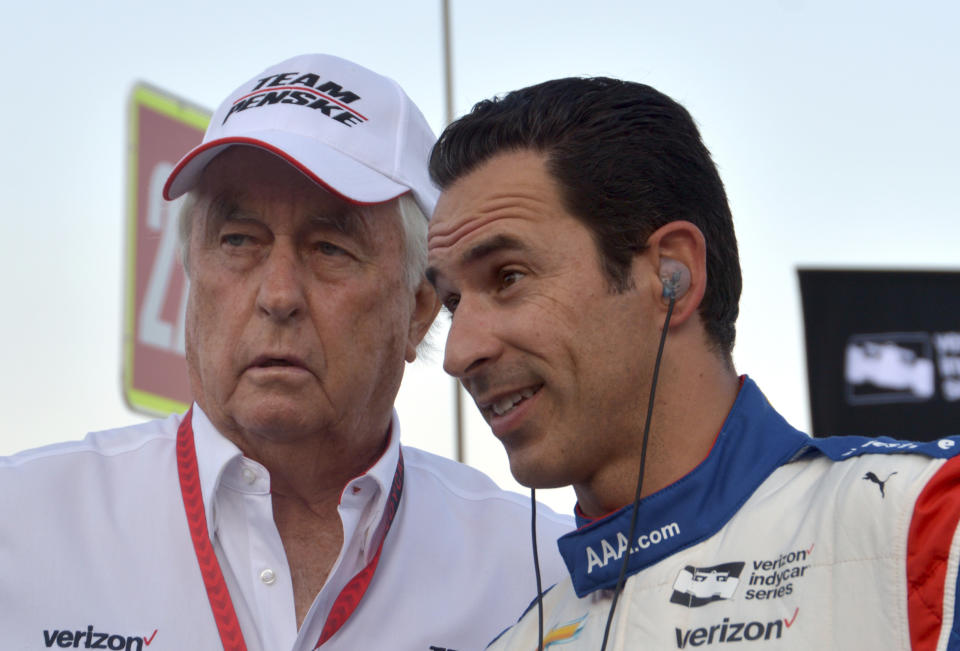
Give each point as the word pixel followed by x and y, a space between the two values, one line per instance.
pixel 220 603
pixel 349 598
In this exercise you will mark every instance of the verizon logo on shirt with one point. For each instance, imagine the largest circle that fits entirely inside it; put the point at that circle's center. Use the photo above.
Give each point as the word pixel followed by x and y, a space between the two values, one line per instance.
pixel 90 639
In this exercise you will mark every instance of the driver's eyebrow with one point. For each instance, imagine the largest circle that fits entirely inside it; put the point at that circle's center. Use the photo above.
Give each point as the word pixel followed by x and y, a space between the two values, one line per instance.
pixel 483 249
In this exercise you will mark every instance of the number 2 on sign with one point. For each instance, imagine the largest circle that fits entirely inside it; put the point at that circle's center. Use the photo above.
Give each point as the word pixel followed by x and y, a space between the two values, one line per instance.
pixel 153 330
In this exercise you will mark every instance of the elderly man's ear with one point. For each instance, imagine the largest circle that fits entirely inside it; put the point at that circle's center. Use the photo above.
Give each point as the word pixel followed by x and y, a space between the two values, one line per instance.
pixel 425 310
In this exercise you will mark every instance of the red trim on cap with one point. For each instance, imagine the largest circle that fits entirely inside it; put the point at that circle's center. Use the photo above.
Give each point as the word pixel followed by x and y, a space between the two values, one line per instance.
pixel 253 142
pixel 306 89
pixel 932 528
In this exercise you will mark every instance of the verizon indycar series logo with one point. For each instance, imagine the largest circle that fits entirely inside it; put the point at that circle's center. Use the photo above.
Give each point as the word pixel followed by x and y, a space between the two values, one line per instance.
pixel 698 586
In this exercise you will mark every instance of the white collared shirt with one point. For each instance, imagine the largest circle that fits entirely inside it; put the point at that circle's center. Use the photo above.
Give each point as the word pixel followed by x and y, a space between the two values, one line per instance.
pixel 94 545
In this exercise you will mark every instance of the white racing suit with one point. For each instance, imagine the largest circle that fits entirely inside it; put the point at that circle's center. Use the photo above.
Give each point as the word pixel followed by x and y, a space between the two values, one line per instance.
pixel 775 541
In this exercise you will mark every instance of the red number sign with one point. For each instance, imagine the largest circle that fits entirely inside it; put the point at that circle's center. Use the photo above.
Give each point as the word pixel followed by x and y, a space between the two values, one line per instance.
pixel 162 129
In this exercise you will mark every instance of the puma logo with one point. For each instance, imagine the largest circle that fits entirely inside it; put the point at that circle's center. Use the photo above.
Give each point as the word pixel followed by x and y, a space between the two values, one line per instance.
pixel 876 480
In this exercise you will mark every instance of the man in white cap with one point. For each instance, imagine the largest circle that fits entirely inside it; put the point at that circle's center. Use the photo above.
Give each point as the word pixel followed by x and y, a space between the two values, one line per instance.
pixel 281 511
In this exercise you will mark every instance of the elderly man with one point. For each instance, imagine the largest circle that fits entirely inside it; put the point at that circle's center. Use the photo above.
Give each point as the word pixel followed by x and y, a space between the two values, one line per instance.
pixel 585 248
pixel 281 512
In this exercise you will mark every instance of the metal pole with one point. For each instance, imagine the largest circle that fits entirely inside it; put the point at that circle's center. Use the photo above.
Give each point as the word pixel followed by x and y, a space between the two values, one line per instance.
pixel 447 61
pixel 448 105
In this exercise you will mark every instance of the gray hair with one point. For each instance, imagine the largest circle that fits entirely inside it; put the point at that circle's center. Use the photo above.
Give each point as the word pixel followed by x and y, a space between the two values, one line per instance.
pixel 412 219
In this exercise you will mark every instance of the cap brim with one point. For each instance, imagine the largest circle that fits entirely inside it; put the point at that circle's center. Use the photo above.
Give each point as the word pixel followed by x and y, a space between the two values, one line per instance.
pixel 332 169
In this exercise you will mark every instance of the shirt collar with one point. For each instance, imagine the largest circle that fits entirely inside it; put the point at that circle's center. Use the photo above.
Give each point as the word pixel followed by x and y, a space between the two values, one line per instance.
pixel 221 463
pixel 217 458
pixel 369 492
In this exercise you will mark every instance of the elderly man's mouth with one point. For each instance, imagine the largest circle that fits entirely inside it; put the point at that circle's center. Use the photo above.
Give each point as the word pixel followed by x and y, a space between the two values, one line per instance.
pixel 277 362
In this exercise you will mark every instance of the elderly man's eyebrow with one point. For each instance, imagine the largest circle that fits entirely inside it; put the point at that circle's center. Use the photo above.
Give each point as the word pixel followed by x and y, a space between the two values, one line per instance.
pixel 218 211
pixel 220 208
pixel 353 222
pixel 485 248
pixel 348 221
pixel 223 208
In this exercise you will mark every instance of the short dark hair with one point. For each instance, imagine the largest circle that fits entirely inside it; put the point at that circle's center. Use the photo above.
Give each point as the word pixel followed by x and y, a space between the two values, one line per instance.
pixel 628 159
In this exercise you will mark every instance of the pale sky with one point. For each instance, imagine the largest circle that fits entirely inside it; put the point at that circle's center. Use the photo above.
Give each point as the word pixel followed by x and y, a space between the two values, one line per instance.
pixel 834 125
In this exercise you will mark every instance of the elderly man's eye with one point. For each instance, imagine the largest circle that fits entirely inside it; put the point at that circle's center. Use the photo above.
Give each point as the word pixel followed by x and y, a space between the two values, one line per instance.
pixel 235 239
pixel 326 248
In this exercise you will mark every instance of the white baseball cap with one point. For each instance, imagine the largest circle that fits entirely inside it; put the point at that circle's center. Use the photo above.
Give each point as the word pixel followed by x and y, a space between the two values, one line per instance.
pixel 353 131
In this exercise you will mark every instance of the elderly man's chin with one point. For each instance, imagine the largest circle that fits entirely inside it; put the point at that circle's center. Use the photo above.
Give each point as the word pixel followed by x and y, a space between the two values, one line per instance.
pixel 275 411
pixel 277 417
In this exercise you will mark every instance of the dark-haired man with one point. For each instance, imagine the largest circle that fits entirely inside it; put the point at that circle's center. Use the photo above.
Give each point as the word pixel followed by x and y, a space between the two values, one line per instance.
pixel 580 220
pixel 280 512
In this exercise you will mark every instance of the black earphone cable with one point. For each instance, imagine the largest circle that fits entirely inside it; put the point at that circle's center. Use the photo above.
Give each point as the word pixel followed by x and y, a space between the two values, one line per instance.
pixel 636 503
pixel 536 567
pixel 643 460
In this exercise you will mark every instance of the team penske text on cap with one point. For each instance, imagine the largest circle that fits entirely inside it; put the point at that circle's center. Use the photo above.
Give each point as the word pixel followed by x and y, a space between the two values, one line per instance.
pixel 351 130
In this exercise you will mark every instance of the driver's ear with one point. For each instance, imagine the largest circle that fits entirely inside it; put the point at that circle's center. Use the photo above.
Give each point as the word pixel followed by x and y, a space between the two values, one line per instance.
pixel 677 254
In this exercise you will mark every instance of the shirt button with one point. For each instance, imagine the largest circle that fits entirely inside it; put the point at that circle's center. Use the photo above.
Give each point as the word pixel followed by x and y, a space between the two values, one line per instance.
pixel 250 475
pixel 268 577
pixel 356 489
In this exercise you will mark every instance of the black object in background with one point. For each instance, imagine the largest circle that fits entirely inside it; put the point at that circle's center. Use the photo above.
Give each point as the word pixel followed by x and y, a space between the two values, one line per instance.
pixel 883 352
